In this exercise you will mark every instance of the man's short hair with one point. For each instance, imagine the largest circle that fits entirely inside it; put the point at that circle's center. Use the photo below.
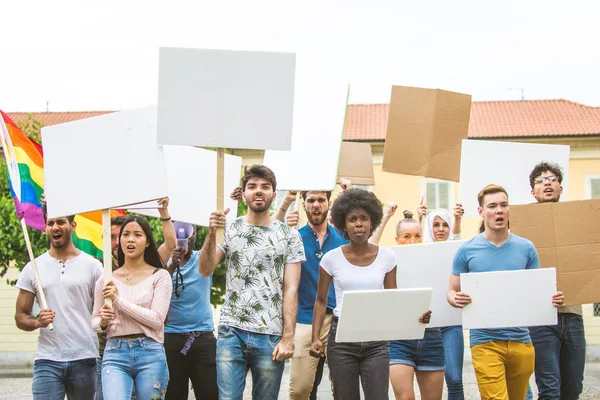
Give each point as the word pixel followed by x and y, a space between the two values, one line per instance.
pixel 490 189
pixel 542 167
pixel 70 218
pixel 118 221
pixel 306 192
pixel 258 171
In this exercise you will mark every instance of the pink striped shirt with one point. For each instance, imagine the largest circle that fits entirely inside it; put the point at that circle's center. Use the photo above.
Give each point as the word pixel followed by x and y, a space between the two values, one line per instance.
pixel 139 309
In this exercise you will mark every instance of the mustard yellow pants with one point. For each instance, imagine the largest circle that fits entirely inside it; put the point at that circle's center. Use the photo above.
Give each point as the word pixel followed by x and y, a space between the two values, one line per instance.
pixel 503 369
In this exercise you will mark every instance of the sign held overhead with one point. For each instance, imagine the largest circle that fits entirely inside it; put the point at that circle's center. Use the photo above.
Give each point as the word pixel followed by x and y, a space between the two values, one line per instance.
pixel 424 132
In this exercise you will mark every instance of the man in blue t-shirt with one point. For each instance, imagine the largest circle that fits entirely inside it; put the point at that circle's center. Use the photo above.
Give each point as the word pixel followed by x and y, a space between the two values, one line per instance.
pixel 318 238
pixel 503 359
pixel 190 343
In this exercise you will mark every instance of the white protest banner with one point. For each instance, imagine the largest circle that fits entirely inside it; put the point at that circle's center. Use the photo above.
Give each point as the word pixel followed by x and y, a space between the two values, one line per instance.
pixel 225 98
pixel 110 161
pixel 319 115
pixel 429 265
pixel 192 183
pixel 507 164
pixel 391 314
pixel 508 299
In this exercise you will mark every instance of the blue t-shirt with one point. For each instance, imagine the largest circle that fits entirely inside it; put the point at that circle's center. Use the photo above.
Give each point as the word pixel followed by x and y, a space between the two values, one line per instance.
pixel 309 277
pixel 479 255
pixel 191 311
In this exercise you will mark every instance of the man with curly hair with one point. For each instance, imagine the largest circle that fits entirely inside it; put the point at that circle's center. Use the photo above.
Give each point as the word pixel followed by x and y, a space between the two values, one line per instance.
pixel 559 349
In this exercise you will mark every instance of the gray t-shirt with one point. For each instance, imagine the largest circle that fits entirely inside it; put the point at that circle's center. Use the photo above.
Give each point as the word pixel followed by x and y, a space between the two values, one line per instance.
pixel 256 257
pixel 69 290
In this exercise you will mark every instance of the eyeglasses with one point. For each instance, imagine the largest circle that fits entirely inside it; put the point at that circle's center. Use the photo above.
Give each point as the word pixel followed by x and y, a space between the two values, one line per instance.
pixel 544 179
pixel 179 287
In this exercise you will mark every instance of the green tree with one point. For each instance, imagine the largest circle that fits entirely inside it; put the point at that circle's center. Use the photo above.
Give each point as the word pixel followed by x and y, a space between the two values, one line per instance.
pixel 31 127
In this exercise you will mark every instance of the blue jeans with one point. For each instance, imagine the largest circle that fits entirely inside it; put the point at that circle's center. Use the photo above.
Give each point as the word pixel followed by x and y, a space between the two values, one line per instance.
pixel 454 350
pixel 53 379
pixel 238 351
pixel 559 357
pixel 425 354
pixel 99 379
pixel 139 363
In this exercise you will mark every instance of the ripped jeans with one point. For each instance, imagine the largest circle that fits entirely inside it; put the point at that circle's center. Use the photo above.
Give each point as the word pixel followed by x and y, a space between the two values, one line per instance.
pixel 139 363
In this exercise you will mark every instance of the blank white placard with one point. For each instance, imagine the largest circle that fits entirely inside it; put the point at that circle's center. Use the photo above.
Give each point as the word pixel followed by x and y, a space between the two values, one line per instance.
pixel 507 164
pixel 509 299
pixel 429 265
pixel 319 114
pixel 391 314
pixel 109 161
pixel 225 98
pixel 192 181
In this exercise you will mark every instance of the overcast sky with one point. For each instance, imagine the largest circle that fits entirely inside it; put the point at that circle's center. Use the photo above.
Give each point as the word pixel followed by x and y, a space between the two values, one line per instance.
pixel 82 55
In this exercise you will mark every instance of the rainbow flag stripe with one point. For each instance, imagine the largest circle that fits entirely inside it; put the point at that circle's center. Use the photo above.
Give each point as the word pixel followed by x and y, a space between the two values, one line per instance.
pixel 25 160
pixel 26 172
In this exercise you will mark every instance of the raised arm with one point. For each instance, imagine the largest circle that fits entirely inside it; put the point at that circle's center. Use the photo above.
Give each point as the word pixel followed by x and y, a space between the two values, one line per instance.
pixel 388 212
pixel 211 255
pixel 291 279
pixel 458 214
pixel 289 198
pixel 23 317
pixel 165 249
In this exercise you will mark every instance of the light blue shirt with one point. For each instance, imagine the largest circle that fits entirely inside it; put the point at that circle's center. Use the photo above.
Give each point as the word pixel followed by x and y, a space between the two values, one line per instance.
pixel 479 255
pixel 191 311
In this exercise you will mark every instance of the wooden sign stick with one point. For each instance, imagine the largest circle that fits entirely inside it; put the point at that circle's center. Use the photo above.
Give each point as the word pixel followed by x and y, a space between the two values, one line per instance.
pixel 106 250
pixel 38 282
pixel 220 189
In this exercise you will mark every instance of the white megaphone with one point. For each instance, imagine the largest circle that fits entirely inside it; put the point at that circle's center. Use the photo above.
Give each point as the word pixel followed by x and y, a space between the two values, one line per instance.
pixel 184 231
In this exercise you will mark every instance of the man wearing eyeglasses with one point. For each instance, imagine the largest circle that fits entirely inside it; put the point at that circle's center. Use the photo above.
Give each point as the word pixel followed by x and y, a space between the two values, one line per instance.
pixel 559 349
pixel 318 238
pixel 190 344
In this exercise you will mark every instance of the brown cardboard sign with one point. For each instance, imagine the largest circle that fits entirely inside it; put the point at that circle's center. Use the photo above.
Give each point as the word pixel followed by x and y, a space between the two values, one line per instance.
pixel 356 163
pixel 567 238
pixel 425 132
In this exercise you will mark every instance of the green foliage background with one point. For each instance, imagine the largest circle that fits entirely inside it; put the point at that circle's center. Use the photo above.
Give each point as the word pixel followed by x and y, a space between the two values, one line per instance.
pixel 12 243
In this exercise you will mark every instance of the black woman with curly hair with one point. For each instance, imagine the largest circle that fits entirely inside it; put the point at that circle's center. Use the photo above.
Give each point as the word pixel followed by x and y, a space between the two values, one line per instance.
pixel 358 265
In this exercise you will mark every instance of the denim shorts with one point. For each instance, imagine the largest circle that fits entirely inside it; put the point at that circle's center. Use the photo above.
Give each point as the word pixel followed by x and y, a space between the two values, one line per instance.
pixel 425 354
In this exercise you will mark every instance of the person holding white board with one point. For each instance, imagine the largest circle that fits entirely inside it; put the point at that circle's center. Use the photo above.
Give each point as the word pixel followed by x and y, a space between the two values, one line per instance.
pixel 423 357
pixel 258 318
pixel 440 226
pixel 359 265
pixel 140 291
pixel 503 359
pixel 560 349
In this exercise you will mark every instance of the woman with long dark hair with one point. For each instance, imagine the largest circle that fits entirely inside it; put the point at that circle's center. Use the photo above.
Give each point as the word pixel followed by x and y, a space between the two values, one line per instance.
pixel 140 291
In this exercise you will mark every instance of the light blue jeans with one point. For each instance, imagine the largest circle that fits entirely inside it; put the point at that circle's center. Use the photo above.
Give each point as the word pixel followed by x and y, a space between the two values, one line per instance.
pixel 454 350
pixel 239 351
pixel 139 363
pixel 53 379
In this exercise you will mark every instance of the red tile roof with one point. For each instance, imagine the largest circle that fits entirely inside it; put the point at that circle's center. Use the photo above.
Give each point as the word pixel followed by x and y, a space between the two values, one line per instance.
pixel 491 119
pixel 54 118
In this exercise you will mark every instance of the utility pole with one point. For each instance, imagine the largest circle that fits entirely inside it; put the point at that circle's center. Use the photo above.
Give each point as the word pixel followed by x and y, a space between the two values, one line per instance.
pixel 47 105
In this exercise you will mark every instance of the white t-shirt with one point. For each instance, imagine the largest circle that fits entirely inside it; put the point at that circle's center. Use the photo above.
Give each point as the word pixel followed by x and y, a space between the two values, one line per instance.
pixel 69 290
pixel 348 276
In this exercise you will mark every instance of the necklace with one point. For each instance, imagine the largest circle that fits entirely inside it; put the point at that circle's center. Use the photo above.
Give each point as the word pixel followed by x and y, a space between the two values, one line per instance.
pixel 128 279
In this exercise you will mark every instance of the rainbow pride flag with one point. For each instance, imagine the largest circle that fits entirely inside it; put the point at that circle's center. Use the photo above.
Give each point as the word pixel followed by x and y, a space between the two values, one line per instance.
pixel 25 161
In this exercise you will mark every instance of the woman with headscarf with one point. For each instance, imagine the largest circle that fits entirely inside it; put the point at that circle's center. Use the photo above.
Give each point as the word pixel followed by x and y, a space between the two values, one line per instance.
pixel 440 226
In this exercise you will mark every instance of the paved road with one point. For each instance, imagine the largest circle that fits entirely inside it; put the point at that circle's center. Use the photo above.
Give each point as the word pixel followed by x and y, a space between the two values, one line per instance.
pixel 19 388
